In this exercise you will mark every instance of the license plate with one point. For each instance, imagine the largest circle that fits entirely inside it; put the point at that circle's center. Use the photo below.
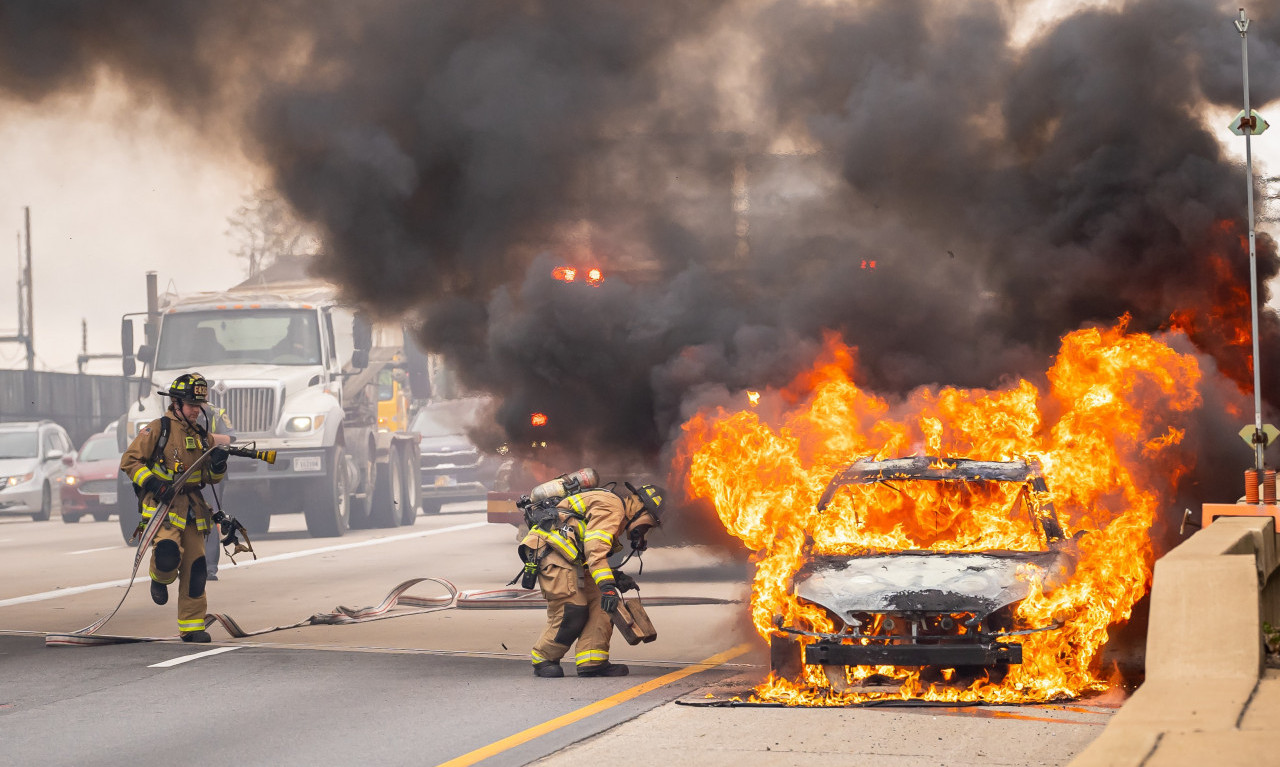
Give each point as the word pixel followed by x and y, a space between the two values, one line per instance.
pixel 107 499
pixel 307 463
pixel 444 480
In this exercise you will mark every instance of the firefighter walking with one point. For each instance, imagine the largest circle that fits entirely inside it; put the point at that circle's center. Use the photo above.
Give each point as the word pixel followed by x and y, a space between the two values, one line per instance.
pixel 154 461
pixel 570 555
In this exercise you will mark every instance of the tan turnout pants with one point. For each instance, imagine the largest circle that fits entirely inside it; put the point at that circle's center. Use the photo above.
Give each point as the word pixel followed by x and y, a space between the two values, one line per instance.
pixel 190 571
pixel 573 614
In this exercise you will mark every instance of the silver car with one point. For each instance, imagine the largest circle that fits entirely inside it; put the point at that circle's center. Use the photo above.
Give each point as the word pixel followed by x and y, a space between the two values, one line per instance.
pixel 31 467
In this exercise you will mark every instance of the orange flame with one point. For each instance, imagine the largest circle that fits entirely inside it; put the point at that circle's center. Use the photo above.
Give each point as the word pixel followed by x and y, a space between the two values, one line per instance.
pixel 564 273
pixel 1104 432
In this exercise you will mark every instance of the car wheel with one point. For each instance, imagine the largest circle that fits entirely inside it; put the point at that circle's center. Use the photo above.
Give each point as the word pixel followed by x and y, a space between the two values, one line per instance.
pixel 46 505
pixel 327 508
pixel 70 518
pixel 786 658
pixel 430 506
pixel 101 516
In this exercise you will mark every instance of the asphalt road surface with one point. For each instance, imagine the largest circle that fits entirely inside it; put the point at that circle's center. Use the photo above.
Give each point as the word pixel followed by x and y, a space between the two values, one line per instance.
pixel 447 687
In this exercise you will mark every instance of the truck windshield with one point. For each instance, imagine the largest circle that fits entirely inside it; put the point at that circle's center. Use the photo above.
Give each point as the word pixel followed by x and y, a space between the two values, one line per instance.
pixel 239 336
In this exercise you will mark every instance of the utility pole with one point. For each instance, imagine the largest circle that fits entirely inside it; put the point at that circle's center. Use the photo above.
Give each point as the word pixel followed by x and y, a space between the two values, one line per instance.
pixel 31 343
pixel 25 313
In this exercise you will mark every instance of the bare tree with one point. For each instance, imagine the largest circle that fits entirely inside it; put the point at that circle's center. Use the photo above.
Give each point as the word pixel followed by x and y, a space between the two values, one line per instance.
pixel 265 229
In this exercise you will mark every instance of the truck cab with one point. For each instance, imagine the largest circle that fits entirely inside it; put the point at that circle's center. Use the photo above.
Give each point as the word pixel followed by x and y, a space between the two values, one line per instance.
pixel 296 372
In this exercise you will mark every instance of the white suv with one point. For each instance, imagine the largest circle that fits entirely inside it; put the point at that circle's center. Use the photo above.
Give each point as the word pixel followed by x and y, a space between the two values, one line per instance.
pixel 31 466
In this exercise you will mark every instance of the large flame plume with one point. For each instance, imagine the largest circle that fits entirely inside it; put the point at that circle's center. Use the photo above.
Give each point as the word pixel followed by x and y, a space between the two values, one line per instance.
pixel 1105 428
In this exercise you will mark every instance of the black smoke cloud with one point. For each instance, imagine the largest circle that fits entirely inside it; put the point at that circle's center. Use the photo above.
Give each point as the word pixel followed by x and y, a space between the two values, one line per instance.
pixel 750 174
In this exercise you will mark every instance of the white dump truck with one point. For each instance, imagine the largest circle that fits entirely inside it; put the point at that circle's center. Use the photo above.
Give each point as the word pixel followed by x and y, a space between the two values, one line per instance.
pixel 299 373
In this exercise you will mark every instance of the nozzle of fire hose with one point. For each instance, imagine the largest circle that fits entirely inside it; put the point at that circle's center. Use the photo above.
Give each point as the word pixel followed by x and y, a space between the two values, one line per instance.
pixel 262 455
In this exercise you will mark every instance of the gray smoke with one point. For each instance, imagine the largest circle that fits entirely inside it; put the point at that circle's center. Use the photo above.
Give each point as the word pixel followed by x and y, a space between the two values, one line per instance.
pixel 903 172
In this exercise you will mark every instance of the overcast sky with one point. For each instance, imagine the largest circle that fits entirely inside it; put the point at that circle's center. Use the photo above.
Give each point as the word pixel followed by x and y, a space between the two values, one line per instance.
pixel 112 195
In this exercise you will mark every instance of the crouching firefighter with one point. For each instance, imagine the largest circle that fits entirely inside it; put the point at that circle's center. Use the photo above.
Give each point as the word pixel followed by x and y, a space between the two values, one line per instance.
pixel 574 527
pixel 158 456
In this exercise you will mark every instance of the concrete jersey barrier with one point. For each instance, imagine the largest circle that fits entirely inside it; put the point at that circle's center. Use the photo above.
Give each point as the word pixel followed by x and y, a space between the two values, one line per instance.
pixel 1207 698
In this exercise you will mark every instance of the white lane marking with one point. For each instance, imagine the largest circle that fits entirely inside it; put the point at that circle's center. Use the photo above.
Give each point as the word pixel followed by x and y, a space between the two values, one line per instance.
pixel 42 596
pixel 193 656
pixel 90 551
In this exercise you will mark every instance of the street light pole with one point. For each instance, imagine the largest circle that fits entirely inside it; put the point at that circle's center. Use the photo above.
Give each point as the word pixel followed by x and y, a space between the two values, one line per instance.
pixel 1247 123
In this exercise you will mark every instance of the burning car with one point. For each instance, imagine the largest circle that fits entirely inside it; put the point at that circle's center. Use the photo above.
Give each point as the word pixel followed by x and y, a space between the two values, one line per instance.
pixel 944 608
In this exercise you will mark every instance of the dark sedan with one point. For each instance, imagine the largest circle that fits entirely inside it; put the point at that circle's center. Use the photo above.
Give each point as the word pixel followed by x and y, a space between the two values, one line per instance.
pixel 453 469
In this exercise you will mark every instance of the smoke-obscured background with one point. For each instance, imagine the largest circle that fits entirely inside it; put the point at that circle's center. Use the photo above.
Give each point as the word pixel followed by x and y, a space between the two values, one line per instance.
pixel 948 190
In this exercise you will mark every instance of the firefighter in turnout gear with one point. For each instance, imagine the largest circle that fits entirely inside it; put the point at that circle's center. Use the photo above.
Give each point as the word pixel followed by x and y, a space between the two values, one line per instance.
pixel 157 457
pixel 570 556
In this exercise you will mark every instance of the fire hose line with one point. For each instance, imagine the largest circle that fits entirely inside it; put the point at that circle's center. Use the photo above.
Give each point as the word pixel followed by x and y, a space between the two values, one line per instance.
pixel 481 599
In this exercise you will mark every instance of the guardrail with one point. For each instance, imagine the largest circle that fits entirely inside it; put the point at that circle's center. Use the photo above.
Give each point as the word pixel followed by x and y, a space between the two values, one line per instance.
pixel 1207 698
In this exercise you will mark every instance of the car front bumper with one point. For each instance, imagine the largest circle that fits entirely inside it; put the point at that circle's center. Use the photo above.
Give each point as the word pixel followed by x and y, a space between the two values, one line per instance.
pixel 943 654
pixel 21 499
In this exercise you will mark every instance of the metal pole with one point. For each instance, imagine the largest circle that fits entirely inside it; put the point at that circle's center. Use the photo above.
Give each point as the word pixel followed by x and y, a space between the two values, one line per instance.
pixel 1259 441
pixel 31 343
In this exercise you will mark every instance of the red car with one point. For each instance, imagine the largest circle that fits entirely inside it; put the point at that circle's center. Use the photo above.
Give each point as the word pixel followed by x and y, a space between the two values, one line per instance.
pixel 90 484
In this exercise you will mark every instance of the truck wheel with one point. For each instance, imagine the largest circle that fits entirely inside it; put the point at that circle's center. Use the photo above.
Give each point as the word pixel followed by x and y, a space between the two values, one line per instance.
pixel 411 486
pixel 256 522
pixel 431 506
pixel 361 509
pixel 385 510
pixel 327 509
pixel 130 515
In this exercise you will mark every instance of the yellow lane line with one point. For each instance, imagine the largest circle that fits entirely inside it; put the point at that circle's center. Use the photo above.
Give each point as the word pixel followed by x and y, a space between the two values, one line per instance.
pixel 520 738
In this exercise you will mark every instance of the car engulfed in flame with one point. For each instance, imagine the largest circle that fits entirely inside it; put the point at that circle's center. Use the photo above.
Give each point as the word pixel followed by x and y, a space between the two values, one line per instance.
pixel 951 613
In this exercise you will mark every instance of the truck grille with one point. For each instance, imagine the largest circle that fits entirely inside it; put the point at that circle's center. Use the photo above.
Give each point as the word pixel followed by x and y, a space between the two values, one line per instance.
pixel 252 410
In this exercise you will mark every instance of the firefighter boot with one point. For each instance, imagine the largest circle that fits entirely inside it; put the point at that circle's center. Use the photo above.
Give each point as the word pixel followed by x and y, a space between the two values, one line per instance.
pixel 159 592
pixel 604 669
pixel 548 670
pixel 196 636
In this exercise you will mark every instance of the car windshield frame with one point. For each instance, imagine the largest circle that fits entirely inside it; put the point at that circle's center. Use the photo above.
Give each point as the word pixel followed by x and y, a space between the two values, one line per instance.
pixel 1027 473
pixel 284 336
pixel 12 444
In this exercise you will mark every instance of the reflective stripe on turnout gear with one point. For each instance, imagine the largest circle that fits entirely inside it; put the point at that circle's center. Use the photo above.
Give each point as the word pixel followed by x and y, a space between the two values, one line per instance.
pixel 566 547
pixel 604 536
pixel 537 657
pixel 591 657
pixel 602 576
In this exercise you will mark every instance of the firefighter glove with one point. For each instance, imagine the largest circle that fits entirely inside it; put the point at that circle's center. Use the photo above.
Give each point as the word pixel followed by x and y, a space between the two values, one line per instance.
pixel 163 491
pixel 218 460
pixel 139 530
pixel 227 524
pixel 609 598
pixel 625 582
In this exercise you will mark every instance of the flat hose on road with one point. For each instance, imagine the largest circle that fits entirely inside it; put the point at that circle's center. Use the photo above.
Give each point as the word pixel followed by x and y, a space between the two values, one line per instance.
pixel 481 599
pixel 475 599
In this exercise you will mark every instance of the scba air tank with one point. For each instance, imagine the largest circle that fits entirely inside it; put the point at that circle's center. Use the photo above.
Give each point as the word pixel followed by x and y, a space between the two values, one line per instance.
pixel 565 484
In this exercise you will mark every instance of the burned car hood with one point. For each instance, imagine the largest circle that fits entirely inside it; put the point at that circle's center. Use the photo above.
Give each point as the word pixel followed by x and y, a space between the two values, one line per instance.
pixel 928 581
